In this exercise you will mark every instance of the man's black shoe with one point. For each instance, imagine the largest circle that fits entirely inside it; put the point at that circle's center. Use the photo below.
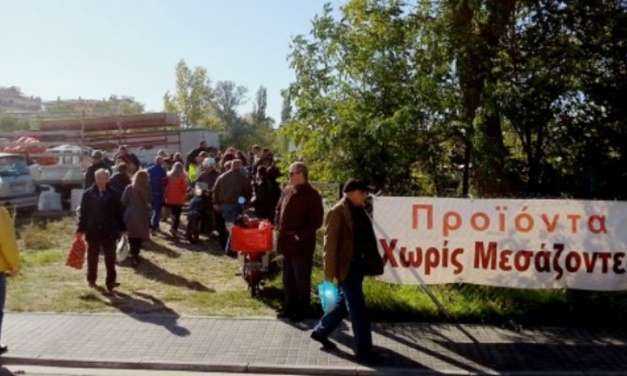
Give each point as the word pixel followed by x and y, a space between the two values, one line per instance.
pixel 369 358
pixel 285 315
pixel 3 350
pixel 326 343
pixel 296 318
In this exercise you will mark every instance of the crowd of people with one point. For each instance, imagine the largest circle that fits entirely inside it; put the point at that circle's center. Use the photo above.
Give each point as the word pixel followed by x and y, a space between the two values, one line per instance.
pixel 124 199
pixel 122 196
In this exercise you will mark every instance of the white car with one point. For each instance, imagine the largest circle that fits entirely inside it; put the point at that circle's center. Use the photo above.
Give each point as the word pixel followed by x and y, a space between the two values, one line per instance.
pixel 17 188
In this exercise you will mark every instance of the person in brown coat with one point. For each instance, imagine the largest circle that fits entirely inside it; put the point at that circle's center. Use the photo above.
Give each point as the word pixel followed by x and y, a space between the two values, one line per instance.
pixel 350 253
pixel 137 199
pixel 299 215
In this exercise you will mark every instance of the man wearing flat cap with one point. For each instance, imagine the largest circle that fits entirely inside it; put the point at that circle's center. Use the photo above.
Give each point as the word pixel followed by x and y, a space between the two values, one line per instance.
pixel 350 253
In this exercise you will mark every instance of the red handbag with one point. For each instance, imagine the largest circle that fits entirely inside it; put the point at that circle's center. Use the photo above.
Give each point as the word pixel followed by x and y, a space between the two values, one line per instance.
pixel 76 257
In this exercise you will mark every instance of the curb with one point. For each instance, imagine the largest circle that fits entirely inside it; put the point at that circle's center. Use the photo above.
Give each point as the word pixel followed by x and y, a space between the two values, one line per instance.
pixel 221 367
pixel 272 368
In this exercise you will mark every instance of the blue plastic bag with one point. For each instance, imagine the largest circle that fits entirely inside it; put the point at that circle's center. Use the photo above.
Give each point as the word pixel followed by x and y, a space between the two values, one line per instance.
pixel 329 295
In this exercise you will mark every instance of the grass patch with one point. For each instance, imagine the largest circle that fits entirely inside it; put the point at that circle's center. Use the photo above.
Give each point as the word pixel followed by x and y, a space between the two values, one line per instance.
pixel 42 258
pixel 178 278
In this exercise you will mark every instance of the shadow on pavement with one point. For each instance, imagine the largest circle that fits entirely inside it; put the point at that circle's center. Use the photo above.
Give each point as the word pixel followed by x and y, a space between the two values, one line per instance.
pixel 550 350
pixel 386 358
pixel 429 351
pixel 543 356
pixel 146 308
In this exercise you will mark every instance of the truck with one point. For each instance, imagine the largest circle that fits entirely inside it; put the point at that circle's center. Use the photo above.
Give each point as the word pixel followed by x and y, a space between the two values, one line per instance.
pixel 59 151
pixel 66 174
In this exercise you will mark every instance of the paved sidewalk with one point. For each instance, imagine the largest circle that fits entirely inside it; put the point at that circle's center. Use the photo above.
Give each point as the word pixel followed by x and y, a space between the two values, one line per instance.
pixel 274 346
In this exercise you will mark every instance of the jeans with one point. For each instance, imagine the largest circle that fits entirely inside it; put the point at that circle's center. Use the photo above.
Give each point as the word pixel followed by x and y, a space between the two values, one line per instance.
pixel 230 212
pixel 155 218
pixel 220 226
pixel 351 302
pixel 3 296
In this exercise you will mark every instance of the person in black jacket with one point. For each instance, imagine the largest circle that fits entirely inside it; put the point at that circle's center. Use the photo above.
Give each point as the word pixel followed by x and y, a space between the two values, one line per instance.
pixel 96 164
pixel 266 194
pixel 120 180
pixel 100 222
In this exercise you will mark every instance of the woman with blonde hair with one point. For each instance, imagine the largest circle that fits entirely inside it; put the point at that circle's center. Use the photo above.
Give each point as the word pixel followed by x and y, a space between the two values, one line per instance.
pixel 176 194
pixel 137 208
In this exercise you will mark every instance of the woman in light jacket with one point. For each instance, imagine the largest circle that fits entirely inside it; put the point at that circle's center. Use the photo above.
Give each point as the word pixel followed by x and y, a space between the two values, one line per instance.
pixel 9 260
pixel 137 205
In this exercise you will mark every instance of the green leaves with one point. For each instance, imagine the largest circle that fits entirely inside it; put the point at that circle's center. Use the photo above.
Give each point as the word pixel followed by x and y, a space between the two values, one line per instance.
pixel 369 93
pixel 412 95
pixel 199 102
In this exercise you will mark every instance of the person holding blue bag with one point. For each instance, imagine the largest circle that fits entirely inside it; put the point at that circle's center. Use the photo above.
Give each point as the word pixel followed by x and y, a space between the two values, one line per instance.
pixel 350 254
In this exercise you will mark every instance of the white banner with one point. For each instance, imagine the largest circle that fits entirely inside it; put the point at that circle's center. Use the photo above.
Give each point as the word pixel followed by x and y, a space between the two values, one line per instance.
pixel 501 242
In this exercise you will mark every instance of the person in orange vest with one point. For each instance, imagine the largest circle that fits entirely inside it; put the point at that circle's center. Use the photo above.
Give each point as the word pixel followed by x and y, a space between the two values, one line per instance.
pixel 9 260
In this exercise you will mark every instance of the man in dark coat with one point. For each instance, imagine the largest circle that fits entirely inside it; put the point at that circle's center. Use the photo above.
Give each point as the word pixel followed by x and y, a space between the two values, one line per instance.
pixel 120 179
pixel 299 215
pixel 129 158
pixel 266 194
pixel 350 253
pixel 100 220
pixel 97 162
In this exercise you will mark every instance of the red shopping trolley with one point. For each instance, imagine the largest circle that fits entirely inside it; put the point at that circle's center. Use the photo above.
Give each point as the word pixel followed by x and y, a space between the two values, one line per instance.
pixel 253 241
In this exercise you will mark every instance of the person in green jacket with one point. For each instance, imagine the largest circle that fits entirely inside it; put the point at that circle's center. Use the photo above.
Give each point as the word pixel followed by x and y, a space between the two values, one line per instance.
pixel 9 260
pixel 193 170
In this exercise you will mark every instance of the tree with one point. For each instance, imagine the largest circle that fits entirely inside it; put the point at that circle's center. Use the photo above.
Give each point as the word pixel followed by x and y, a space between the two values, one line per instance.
pixel 228 97
pixel 193 96
pixel 372 96
pixel 199 102
pixel 286 107
pixel 474 29
pixel 262 131
pixel 260 105
pixel 523 97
